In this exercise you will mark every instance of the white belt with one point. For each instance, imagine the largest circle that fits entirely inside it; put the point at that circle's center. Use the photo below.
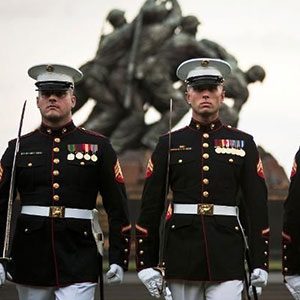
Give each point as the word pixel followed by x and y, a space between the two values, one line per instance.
pixel 205 209
pixel 57 212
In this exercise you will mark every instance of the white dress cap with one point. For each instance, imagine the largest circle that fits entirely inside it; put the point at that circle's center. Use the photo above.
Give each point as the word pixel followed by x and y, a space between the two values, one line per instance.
pixel 55 72
pixel 202 67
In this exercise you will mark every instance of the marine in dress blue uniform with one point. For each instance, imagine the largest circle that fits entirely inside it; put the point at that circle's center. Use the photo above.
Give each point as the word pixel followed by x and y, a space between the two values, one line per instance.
pixel 60 169
pixel 291 232
pixel 210 166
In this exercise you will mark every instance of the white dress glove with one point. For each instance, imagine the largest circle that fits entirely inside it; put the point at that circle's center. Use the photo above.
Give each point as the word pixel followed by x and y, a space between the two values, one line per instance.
pixel 258 291
pixel 152 279
pixel 259 278
pixel 167 294
pixel 2 275
pixel 115 274
pixel 293 285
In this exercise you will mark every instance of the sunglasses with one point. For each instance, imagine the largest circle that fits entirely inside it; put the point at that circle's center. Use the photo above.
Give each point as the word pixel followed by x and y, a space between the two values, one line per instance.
pixel 58 94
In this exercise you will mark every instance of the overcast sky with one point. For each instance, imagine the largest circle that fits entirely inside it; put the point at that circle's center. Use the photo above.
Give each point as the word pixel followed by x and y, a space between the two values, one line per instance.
pixel 264 32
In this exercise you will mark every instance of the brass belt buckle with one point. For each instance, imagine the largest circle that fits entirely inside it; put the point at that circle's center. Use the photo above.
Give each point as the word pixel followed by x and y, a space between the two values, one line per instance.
pixel 205 209
pixel 57 211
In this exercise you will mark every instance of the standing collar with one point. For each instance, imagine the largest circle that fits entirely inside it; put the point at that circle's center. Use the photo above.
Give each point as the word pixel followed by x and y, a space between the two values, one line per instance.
pixel 57 131
pixel 206 127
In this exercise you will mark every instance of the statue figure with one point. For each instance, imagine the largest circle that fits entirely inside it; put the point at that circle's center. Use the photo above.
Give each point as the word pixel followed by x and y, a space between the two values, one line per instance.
pixel 219 52
pixel 158 25
pixel 116 18
pixel 158 76
pixel 96 82
pixel 134 69
pixel 109 68
pixel 236 88
pixel 182 46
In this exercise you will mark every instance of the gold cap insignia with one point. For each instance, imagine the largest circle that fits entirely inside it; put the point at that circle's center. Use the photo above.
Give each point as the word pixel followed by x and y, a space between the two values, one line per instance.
pixel 50 68
pixel 204 63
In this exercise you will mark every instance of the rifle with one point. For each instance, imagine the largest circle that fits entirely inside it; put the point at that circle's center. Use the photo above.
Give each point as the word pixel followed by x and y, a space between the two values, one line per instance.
pixel 6 248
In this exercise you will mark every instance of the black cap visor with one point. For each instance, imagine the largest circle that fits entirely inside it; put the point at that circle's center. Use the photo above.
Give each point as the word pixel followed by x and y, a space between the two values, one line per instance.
pixel 53 85
pixel 205 81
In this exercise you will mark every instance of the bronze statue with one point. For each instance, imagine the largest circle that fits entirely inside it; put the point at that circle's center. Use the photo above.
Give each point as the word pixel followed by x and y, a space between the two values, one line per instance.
pixel 134 69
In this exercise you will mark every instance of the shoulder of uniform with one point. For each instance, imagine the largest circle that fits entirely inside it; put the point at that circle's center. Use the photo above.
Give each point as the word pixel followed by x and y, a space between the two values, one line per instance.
pixel 28 134
pixel 24 136
pixel 174 132
pixel 239 132
pixel 91 132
